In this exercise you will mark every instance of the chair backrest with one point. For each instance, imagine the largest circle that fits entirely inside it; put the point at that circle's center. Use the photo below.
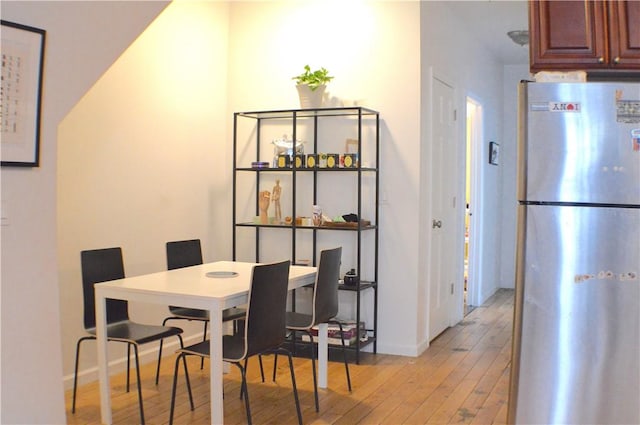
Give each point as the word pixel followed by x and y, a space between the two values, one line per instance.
pixel 183 254
pixel 102 265
pixel 325 291
pixel 265 324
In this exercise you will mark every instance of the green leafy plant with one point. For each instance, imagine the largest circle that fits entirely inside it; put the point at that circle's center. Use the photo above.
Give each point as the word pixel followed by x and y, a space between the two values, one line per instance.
pixel 313 79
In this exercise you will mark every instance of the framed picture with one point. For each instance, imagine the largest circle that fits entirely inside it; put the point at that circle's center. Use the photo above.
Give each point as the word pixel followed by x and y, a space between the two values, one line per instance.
pixel 494 153
pixel 20 95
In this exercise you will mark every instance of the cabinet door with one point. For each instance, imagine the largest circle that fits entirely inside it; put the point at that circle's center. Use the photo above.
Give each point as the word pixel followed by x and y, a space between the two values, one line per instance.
pixel 567 35
pixel 624 23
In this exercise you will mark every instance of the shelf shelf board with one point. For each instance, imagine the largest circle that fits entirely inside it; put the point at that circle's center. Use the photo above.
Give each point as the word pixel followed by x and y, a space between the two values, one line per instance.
pixel 363 285
pixel 306 170
pixel 335 350
pixel 309 113
pixel 288 226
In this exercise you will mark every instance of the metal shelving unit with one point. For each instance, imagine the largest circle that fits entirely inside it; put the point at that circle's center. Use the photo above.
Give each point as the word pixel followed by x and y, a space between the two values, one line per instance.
pixel 318 118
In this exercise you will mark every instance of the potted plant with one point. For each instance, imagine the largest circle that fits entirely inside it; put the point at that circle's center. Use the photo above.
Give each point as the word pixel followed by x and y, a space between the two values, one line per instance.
pixel 311 86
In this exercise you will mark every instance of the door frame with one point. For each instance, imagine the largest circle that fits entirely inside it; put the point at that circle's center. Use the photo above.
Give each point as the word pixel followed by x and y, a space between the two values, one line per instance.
pixel 475 220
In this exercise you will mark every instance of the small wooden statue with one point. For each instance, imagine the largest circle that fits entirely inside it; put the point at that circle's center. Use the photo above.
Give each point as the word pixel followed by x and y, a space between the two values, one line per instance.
pixel 275 197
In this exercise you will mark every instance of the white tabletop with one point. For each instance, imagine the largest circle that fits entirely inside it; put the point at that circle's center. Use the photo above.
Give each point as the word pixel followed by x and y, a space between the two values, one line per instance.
pixel 191 287
pixel 194 286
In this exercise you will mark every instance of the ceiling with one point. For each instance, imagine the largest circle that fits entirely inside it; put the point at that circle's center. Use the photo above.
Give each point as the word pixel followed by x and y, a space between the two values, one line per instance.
pixel 490 20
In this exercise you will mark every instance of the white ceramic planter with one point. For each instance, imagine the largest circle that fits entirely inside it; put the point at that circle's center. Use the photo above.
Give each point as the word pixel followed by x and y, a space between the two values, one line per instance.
pixel 310 99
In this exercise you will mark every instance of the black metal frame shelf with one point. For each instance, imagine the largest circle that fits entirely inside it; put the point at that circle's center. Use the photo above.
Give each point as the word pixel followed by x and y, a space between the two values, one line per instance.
pixel 309 113
pixel 316 116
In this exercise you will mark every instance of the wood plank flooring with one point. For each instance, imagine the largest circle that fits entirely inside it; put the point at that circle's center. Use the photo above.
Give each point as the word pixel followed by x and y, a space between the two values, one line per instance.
pixel 462 378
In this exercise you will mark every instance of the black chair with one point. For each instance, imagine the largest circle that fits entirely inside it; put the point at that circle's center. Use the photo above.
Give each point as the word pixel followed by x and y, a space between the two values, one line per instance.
pixel 102 265
pixel 264 331
pixel 324 310
pixel 186 254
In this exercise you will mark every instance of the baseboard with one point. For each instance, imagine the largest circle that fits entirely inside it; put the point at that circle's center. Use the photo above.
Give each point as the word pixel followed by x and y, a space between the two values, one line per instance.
pixel 397 350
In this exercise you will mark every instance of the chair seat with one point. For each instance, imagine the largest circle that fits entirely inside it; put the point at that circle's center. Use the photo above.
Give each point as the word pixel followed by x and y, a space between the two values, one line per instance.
pixel 233 313
pixel 129 331
pixel 299 321
pixel 232 348
pixel 200 349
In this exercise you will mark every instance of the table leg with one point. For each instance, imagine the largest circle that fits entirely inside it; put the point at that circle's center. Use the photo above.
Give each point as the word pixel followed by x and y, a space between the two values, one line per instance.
pixel 323 354
pixel 103 357
pixel 215 362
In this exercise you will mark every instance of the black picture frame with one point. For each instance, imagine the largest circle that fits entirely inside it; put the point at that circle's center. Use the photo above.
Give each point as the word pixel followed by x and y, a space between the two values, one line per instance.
pixel 21 94
pixel 494 153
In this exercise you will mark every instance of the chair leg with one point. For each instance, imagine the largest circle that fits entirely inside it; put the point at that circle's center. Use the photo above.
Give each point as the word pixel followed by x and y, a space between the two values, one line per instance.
pixel 292 335
pixel 313 370
pixel 128 363
pixel 164 322
pixel 344 355
pixel 275 366
pixel 186 375
pixel 243 390
pixel 173 389
pixel 246 362
pixel 159 359
pixel 135 350
pixel 204 338
pixel 261 367
pixel 175 381
pixel 295 388
pixel 75 374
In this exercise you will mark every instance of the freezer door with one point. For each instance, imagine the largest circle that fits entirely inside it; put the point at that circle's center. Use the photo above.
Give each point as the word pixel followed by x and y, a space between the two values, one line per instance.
pixel 581 143
pixel 579 343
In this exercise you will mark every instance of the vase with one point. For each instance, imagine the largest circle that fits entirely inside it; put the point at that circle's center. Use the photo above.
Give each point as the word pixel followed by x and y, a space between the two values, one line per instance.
pixel 310 99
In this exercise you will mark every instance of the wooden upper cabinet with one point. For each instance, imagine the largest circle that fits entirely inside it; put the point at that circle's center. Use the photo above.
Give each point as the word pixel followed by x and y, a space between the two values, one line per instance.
pixel 584 35
pixel 624 33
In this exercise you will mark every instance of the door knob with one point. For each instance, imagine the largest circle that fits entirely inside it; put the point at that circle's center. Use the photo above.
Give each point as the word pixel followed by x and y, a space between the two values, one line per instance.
pixel 436 223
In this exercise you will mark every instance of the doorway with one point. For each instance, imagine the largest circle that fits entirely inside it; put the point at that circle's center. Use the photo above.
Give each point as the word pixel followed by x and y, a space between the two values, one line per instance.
pixel 474 124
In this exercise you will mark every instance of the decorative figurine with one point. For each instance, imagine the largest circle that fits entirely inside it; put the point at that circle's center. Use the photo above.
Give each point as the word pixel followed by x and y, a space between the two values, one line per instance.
pixel 264 199
pixel 276 201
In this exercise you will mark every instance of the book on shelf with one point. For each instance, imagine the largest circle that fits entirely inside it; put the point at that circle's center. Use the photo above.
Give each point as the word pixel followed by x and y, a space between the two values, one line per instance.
pixel 349 331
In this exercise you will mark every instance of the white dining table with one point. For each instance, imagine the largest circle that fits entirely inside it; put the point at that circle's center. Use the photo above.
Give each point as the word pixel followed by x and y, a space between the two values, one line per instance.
pixel 193 287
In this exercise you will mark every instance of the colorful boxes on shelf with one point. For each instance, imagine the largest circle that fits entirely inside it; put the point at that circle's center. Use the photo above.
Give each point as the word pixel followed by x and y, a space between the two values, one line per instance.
pixel 316 160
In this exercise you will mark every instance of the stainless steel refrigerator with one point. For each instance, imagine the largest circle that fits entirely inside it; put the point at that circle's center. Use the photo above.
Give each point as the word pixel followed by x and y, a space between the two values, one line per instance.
pixel 576 339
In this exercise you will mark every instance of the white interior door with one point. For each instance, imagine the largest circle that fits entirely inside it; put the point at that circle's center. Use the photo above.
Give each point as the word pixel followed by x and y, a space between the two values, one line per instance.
pixel 443 219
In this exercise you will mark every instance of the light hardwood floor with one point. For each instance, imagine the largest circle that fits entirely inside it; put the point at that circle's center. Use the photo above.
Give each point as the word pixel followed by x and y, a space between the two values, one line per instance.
pixel 462 378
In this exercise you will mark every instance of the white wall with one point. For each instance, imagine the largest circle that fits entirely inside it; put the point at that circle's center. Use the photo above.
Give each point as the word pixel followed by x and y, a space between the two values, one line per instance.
pixel 359 43
pixel 80 44
pixel 512 75
pixel 140 161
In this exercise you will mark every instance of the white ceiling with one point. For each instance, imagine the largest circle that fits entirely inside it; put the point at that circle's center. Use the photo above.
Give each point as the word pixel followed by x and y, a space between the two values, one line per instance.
pixel 490 20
